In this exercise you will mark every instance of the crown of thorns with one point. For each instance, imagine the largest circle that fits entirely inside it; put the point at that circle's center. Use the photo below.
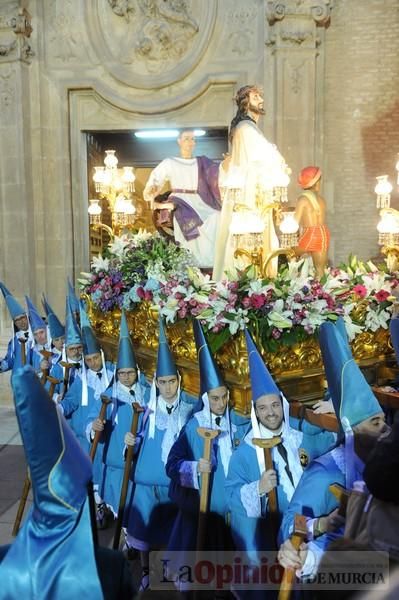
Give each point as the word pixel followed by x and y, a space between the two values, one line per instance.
pixel 244 91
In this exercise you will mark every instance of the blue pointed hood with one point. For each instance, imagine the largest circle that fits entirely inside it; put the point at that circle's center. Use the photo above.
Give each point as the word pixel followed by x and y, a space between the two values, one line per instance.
pixel 73 301
pixel 89 340
pixel 394 331
pixel 55 539
pixel 340 325
pixel 166 365
pixel 46 306
pixel 36 322
pixel 56 327
pixel 210 376
pixel 262 383
pixel 72 331
pixel 352 397
pixel 126 357
pixel 59 469
pixel 14 307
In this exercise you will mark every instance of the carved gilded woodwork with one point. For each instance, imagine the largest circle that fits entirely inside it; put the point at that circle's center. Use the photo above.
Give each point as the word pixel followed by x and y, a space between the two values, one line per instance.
pixel 298 369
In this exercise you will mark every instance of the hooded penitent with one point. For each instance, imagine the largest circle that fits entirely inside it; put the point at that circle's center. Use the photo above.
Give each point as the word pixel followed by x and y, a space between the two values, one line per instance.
pixel 353 400
pixel 53 554
pixel 57 329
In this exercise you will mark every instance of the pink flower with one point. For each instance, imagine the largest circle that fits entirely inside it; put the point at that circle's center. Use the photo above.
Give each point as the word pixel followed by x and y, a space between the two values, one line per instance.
pixel 148 295
pixel 182 312
pixel 360 290
pixel 258 300
pixel 382 295
pixel 141 293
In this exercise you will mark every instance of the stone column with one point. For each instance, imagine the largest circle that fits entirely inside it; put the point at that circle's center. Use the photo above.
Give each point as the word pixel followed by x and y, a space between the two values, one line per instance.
pixel 16 210
pixel 296 31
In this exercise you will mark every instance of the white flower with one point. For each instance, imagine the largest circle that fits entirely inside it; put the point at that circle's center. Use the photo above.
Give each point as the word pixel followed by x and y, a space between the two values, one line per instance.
pixel 256 287
pixel 278 317
pixel 351 328
pixel 85 280
pixel 142 235
pixel 118 245
pixel 374 320
pixel 100 264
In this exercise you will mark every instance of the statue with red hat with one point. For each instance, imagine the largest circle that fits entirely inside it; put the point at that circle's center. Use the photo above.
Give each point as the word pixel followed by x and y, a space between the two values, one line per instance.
pixel 310 214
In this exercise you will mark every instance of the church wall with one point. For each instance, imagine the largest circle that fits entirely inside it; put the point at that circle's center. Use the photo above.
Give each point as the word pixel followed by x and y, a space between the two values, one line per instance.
pixel 85 74
pixel 361 112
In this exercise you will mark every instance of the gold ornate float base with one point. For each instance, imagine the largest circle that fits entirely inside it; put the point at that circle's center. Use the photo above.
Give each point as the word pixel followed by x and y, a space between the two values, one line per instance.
pixel 298 369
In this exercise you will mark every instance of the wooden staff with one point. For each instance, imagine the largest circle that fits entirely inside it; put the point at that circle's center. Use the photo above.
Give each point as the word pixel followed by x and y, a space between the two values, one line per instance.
pixel 137 409
pixel 53 382
pixel 23 341
pixel 105 401
pixel 298 536
pixel 267 445
pixel 45 372
pixel 342 495
pixel 67 366
pixel 208 435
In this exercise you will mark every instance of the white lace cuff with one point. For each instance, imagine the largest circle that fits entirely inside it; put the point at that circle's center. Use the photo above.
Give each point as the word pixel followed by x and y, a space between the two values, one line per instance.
pixel 189 474
pixel 90 433
pixel 310 525
pixel 250 499
pixel 312 561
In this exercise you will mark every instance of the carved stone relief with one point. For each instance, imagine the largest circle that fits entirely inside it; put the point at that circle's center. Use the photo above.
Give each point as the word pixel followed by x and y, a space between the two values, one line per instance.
pixel 296 22
pixel 15 30
pixel 64 37
pixel 137 39
pixel 7 94
pixel 319 10
pixel 240 39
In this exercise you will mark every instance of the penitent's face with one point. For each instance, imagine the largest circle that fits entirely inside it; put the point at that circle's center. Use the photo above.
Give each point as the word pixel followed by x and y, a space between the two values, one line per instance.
pixel 269 410
pixel 94 361
pixel 373 427
pixel 167 386
pixel 58 342
pixel 74 352
pixel 21 323
pixel 127 376
pixel 218 398
pixel 40 336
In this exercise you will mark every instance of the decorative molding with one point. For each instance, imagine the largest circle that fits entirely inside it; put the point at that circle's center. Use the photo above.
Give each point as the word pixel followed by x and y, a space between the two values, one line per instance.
pixel 297 22
pixel 15 20
pixel 147 38
pixel 163 32
pixel 297 76
pixel 6 49
pixel 65 47
pixel 7 94
pixel 318 10
pixel 240 39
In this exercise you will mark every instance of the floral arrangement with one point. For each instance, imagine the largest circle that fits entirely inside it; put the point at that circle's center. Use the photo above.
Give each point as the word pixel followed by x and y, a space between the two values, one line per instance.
pixel 133 268
pixel 286 309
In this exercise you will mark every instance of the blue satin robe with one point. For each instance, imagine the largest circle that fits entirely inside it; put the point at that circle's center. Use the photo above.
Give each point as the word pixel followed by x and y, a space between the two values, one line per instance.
pixel 252 533
pixel 190 447
pixel 152 514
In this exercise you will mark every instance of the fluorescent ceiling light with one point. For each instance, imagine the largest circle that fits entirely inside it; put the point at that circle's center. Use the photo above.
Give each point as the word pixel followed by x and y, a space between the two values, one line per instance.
pixel 164 133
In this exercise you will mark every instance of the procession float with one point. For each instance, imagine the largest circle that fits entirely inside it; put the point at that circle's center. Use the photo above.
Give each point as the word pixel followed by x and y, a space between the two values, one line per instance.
pixel 149 276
